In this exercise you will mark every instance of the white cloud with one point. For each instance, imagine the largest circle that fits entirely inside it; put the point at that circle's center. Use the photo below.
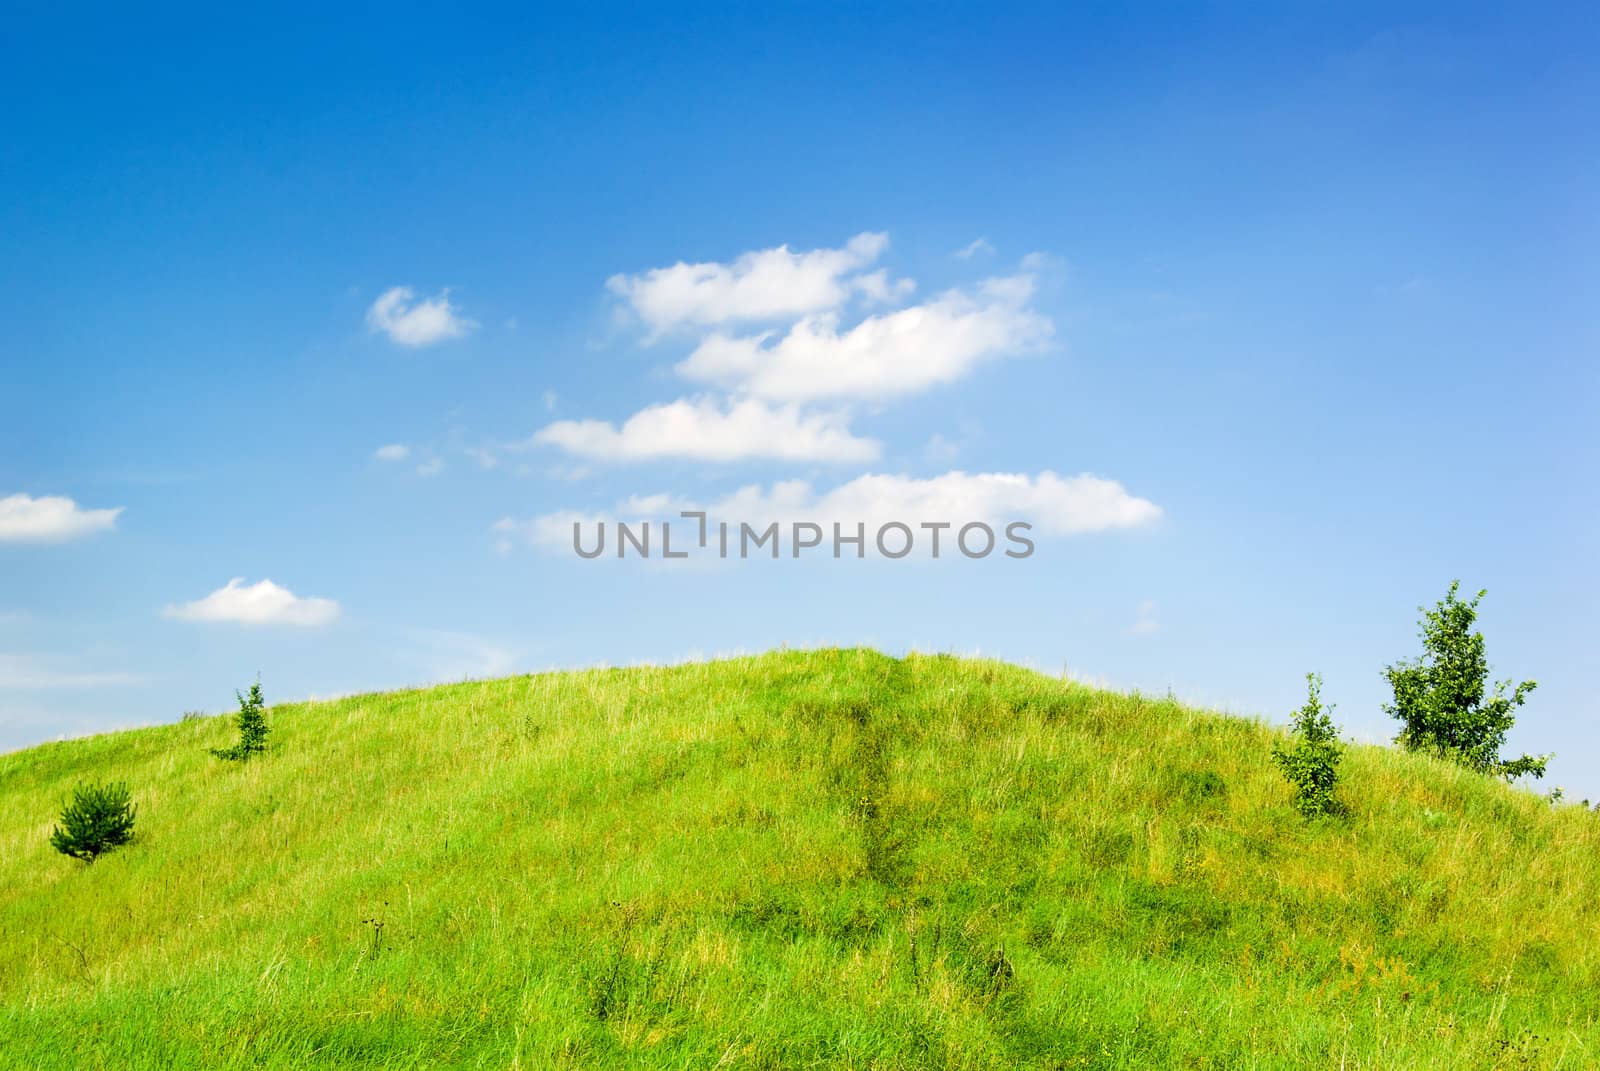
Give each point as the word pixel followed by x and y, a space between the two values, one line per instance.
pixel 1147 623
pixel 706 430
pixel 416 323
pixel 878 288
pixel 50 519
pixel 761 285
pixel 37 672
pixel 429 463
pixel 1056 506
pixel 262 603
pixel 894 353
pixel 973 248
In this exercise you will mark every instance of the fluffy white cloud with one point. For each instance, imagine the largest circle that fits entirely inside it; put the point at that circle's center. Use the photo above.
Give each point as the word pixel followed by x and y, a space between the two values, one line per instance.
pixel 50 519
pixel 1055 505
pixel 762 285
pixel 706 430
pixel 813 357
pixel 262 603
pixel 392 452
pixel 894 353
pixel 409 322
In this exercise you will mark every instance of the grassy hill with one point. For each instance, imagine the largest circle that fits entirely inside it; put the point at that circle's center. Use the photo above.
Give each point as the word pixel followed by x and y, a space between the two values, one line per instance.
pixel 819 859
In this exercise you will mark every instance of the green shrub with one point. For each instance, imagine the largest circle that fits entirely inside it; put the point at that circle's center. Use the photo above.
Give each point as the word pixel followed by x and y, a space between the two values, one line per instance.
pixel 252 723
pixel 97 819
pixel 1311 766
pixel 1441 697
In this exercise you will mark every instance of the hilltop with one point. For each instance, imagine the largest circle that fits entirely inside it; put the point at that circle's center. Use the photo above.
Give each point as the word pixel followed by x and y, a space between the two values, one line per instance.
pixel 804 859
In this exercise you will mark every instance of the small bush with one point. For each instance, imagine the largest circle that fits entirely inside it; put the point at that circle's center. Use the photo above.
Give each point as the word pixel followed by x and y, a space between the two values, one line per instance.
pixel 1311 766
pixel 252 723
pixel 97 819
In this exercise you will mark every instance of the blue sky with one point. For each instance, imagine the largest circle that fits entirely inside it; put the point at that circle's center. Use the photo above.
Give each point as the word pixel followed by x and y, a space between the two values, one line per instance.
pixel 1307 292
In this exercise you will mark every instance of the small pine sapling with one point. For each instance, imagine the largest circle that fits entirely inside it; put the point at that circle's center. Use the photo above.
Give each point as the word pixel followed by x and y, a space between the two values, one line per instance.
pixel 96 819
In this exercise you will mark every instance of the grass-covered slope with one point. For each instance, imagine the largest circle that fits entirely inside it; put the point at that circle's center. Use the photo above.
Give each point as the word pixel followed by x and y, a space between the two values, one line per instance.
pixel 830 858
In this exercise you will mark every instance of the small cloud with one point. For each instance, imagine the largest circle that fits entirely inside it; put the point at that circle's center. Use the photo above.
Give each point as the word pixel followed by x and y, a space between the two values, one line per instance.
pixel 976 247
pixel 392 452
pixel 431 467
pixel 901 352
pixel 416 323
pixel 50 519
pixel 760 285
pixel 262 603
pixel 705 430
pixel 485 457
pixel 1146 622
pixel 550 399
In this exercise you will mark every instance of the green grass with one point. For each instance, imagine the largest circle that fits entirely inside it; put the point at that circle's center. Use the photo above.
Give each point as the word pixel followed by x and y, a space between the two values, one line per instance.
pixel 817 859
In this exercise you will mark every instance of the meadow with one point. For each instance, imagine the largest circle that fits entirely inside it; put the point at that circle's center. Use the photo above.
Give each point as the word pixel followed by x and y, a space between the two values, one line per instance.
pixel 814 859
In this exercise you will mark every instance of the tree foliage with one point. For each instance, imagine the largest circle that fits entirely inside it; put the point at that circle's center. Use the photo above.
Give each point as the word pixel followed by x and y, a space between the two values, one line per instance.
pixel 252 723
pixel 96 819
pixel 1443 699
pixel 1311 765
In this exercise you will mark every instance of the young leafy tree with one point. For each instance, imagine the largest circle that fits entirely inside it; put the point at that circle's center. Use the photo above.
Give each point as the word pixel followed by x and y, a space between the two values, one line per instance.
pixel 252 723
pixel 1442 699
pixel 1311 766
pixel 97 819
